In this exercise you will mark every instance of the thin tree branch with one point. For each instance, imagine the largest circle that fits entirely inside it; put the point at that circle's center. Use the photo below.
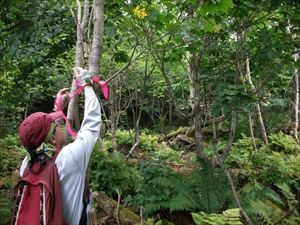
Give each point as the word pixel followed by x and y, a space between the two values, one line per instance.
pixel 130 61
pixel 231 136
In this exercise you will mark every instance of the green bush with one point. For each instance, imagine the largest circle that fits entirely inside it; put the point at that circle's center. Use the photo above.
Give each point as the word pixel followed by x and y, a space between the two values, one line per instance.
pixel 283 143
pixel 110 172
pixel 162 188
pixel 241 151
pixel 10 160
pixel 125 139
pixel 211 188
pixel 10 142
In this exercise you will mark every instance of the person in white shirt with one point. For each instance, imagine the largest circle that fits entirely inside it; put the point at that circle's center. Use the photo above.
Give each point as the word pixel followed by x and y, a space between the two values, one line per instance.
pixel 72 160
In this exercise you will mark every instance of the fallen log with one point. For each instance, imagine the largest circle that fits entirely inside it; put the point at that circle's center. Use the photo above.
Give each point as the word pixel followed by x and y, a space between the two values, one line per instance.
pixel 186 134
pixel 211 131
pixel 215 120
pixel 180 130
pixel 112 209
pixel 189 131
pixel 186 139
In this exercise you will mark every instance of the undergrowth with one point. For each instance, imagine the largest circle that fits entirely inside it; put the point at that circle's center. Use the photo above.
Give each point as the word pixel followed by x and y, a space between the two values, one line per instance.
pixel 267 179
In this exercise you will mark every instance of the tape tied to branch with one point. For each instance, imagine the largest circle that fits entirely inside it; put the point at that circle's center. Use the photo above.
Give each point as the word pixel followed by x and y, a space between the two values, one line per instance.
pixel 59 100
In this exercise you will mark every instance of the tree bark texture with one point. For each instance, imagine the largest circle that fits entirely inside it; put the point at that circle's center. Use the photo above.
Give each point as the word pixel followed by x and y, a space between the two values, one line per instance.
pixel 95 51
pixel 194 80
pixel 72 112
pixel 262 127
pixel 251 130
pixel 296 75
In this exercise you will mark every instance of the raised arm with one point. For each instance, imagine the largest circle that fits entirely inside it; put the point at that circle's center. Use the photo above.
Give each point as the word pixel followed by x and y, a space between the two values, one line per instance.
pixel 80 150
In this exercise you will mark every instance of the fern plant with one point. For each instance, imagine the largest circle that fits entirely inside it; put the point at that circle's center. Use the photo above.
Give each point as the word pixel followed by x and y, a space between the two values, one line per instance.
pixel 110 172
pixel 228 217
pixel 211 188
pixel 268 206
pixel 283 142
pixel 162 188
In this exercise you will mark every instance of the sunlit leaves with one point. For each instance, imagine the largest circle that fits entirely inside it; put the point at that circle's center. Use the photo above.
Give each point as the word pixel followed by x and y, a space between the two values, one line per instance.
pixel 215 6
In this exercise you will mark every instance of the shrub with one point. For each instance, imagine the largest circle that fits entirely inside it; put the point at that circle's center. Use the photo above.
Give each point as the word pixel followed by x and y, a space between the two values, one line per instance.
pixel 162 188
pixel 110 172
pixel 283 143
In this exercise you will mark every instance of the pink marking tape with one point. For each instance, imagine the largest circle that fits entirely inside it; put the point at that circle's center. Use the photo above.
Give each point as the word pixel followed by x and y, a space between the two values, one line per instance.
pixel 58 101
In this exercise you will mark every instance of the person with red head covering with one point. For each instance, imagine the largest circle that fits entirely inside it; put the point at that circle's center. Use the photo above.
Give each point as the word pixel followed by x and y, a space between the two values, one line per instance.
pixel 42 137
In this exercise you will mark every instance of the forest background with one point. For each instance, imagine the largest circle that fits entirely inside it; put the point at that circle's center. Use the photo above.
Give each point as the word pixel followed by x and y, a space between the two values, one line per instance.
pixel 202 122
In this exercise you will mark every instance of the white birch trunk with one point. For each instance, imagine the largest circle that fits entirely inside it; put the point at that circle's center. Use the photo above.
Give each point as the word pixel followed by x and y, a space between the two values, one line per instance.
pixel 296 74
pixel 191 80
pixel 72 112
pixel 262 128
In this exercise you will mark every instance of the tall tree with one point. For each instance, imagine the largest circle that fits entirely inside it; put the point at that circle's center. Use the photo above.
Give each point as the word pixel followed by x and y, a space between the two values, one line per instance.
pixel 94 51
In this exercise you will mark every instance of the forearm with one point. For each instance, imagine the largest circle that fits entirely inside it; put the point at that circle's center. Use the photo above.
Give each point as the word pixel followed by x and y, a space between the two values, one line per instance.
pixel 92 113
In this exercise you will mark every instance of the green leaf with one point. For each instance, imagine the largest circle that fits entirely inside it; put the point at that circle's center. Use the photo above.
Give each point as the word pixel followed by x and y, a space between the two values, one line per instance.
pixel 215 7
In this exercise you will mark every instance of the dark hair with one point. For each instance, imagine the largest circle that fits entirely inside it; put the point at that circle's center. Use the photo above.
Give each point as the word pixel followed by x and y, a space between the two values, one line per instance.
pixel 32 152
pixel 36 157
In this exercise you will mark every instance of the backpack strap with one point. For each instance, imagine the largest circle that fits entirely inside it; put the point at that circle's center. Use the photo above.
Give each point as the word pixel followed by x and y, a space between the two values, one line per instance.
pixel 45 178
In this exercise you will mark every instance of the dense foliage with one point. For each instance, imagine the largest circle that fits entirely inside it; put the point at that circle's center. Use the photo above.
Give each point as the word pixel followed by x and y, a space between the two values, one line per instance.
pixel 207 96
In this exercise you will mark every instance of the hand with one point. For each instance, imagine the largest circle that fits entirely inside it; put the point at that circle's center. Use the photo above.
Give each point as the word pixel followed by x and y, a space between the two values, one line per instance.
pixel 82 75
pixel 65 98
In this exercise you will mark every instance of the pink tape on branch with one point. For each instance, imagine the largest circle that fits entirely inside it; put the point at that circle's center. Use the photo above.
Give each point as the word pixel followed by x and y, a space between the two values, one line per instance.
pixel 58 103
pixel 59 99
pixel 80 88
pixel 102 84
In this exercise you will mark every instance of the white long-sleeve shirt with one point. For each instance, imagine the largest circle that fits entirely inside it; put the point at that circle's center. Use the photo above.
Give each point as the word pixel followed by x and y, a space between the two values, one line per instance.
pixel 73 159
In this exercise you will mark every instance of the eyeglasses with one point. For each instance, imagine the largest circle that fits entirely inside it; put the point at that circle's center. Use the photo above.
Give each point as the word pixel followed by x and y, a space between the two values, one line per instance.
pixel 59 123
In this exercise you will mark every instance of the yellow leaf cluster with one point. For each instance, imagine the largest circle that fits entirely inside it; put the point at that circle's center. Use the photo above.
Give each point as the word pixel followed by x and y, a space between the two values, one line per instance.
pixel 140 12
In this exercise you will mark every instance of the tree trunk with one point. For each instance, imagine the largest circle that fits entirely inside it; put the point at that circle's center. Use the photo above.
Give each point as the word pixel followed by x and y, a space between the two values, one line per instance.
pixel 94 58
pixel 95 51
pixel 262 128
pixel 229 178
pixel 194 83
pixel 191 79
pixel 296 75
pixel 113 116
pixel 251 130
pixel 72 113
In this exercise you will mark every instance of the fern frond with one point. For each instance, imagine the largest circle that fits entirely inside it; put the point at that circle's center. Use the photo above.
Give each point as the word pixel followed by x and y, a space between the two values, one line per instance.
pixel 212 188
pixel 290 197
pixel 181 202
pixel 291 220
pixel 228 217
pixel 268 211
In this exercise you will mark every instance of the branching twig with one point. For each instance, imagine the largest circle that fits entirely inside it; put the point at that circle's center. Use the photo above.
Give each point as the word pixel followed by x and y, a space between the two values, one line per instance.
pixel 130 61
pixel 231 135
pixel 118 207
pixel 230 180
pixel 132 149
